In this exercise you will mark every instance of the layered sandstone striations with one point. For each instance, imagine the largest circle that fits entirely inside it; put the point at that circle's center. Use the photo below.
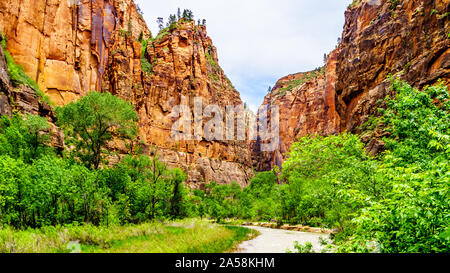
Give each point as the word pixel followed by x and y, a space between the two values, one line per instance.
pixel 72 47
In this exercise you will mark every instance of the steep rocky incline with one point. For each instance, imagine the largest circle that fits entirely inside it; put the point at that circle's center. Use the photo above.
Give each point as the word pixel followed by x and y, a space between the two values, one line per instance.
pixel 72 47
pixel 23 99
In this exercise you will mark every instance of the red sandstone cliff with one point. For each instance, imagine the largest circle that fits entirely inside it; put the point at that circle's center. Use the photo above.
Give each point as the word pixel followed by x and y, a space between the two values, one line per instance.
pixel 184 66
pixel 72 47
pixel 406 39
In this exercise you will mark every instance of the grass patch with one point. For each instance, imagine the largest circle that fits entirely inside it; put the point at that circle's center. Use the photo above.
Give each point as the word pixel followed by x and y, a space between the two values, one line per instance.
pixel 186 236
pixel 227 243
pixel 3 40
pixel 210 60
pixel 213 77
pixel 215 67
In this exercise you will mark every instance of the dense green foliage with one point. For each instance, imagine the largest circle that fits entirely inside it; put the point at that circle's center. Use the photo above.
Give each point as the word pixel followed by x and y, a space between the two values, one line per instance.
pixel 39 187
pixel 395 202
pixel 414 215
pixel 323 175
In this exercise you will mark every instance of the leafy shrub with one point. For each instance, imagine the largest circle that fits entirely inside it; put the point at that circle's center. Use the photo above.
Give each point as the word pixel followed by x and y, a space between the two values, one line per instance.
pixel 319 170
pixel 146 66
pixel 24 139
pixel 414 215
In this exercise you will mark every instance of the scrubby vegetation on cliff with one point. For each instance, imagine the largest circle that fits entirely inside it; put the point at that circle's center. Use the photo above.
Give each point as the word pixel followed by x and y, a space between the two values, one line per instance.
pixel 16 73
pixel 306 77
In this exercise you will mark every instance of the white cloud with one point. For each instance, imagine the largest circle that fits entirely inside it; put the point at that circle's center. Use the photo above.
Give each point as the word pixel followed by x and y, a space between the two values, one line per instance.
pixel 260 41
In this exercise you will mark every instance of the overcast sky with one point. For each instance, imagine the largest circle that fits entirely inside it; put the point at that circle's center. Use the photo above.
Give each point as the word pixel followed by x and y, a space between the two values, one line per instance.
pixel 260 41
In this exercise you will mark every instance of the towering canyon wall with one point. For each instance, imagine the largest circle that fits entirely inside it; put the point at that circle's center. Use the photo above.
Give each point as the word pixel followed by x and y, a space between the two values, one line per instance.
pixel 185 66
pixel 65 45
pixel 405 39
pixel 71 47
pixel 408 39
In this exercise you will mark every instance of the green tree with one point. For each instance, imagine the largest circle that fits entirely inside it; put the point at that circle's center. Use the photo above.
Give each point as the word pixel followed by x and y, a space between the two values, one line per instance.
pixel 178 14
pixel 172 20
pixel 24 138
pixel 38 128
pixel 177 201
pixel 188 15
pixel 95 119
pixel 160 22
pixel 318 170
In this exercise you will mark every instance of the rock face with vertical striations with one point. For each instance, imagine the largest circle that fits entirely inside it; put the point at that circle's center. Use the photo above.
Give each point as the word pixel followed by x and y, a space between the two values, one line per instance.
pixel 182 65
pixel 65 45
